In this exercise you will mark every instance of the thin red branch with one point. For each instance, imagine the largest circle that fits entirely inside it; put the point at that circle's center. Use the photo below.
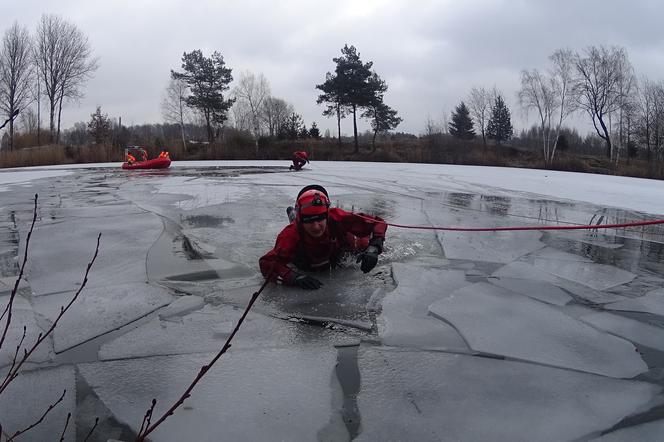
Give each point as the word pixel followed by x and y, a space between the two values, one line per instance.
pixel 14 372
pixel 8 309
pixel 204 369
pixel 91 430
pixel 18 348
pixel 50 407
pixel 64 430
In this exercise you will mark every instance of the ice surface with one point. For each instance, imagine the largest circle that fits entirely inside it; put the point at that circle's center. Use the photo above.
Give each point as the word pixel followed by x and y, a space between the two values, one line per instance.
pixel 136 211
pixel 264 394
pixel 202 331
pixel 181 305
pixel 651 431
pixel 580 269
pixel 540 290
pixel 405 319
pixel 500 247
pixel 630 329
pixel 494 320
pixel 432 396
pixel 22 316
pixel 100 310
pixel 27 398
pixel 524 270
pixel 651 302
pixel 126 238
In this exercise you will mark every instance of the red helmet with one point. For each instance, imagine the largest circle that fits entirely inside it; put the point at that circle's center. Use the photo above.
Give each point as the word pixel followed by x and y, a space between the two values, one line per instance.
pixel 312 206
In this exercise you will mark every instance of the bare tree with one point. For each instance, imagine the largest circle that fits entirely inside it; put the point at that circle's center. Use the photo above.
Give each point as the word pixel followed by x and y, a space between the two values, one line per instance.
pixel 15 74
pixel 28 121
pixel 431 128
pixel 174 106
pixel 251 91
pixel 538 93
pixel 562 75
pixel 650 105
pixel 626 103
pixel 274 113
pixel 601 71
pixel 479 104
pixel 551 96
pixel 64 62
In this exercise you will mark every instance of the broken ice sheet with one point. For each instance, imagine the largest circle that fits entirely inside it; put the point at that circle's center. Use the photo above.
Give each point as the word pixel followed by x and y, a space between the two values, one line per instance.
pixel 494 320
pixel 22 316
pixel 523 270
pixel 27 398
pixel 123 247
pixel 580 269
pixel 501 247
pixel 540 290
pixel 650 431
pixel 257 394
pixel 205 330
pixel 433 396
pixel 651 302
pixel 627 328
pixel 404 318
pixel 99 310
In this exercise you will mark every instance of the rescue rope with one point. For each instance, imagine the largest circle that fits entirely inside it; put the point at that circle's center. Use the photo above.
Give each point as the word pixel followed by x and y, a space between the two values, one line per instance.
pixel 518 228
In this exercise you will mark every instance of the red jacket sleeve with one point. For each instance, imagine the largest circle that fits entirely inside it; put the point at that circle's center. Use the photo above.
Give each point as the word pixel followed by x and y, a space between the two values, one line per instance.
pixel 274 264
pixel 359 224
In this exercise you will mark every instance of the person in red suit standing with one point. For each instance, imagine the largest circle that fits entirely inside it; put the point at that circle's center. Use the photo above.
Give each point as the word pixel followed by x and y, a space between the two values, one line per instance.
pixel 300 158
pixel 318 237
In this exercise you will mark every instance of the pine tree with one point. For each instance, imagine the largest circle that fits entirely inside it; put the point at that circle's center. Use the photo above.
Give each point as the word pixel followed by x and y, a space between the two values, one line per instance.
pixel 99 126
pixel 314 132
pixel 461 125
pixel 207 79
pixel 500 124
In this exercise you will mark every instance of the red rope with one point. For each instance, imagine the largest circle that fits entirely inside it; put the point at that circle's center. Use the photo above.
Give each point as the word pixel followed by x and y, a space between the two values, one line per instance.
pixel 497 229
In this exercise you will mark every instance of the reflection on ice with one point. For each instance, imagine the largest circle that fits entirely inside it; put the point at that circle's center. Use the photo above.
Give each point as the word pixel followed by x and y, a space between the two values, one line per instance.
pixel 497 321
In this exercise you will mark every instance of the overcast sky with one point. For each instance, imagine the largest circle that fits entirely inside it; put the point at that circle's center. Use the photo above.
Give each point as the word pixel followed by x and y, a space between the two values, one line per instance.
pixel 430 52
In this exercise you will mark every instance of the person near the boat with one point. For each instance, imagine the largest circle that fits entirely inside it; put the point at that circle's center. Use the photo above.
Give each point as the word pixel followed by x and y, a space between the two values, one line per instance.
pixel 319 237
pixel 300 158
pixel 130 158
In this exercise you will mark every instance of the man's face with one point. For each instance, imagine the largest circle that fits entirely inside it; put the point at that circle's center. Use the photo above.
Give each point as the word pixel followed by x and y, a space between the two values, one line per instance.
pixel 315 229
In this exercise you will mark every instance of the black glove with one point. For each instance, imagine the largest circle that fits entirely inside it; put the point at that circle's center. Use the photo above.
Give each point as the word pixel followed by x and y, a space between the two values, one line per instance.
pixel 369 257
pixel 306 282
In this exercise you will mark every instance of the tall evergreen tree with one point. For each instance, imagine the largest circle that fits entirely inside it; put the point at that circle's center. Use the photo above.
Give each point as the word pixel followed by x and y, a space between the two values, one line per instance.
pixel 207 79
pixel 333 96
pixel 500 124
pixel 314 132
pixel 353 76
pixel 99 126
pixel 461 125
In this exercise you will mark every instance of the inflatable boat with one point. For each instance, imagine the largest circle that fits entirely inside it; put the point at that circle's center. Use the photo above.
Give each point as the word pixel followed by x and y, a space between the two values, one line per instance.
pixel 155 163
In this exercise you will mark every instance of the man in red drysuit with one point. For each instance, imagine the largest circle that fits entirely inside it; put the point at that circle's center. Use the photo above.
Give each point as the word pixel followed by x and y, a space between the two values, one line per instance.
pixel 318 237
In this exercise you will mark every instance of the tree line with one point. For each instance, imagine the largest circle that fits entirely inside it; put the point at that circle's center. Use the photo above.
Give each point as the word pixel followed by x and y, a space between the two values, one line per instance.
pixel 626 113
pixel 54 62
